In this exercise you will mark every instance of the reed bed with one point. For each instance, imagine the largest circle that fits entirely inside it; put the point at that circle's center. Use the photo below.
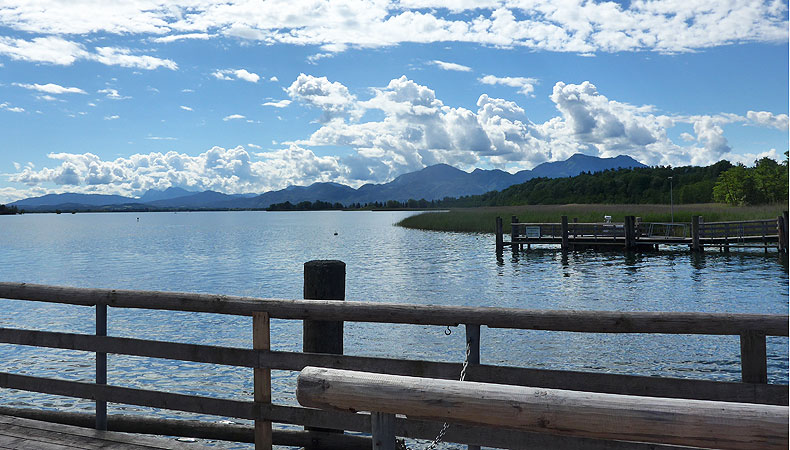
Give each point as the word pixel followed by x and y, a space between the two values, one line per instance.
pixel 482 220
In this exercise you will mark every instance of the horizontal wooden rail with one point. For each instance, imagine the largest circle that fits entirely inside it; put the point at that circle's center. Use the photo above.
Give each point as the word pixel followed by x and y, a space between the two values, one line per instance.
pixel 606 416
pixel 296 361
pixel 417 429
pixel 579 321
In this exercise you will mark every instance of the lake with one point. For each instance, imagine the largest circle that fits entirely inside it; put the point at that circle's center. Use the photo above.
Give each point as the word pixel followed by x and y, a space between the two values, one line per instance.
pixel 261 254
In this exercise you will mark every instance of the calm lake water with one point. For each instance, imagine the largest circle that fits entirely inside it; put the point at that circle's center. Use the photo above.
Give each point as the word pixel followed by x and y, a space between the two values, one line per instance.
pixel 262 254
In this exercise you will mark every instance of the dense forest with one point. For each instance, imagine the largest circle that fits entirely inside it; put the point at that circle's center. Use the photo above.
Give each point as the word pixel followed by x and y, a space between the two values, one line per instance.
pixel 766 182
pixel 8 210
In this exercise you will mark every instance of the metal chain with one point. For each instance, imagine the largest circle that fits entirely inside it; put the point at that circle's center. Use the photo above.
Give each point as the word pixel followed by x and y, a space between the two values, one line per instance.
pixel 445 426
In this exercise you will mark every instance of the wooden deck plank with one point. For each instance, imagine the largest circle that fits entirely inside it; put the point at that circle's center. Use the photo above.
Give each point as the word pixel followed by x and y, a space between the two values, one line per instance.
pixel 21 434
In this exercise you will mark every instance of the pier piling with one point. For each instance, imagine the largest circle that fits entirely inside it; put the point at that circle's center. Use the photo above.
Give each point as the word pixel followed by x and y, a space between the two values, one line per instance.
pixel 499 241
pixel 564 232
pixel 695 245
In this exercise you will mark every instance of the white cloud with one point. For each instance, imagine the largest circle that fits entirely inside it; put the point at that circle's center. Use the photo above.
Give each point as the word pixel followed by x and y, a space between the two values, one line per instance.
pixel 185 108
pixel 161 138
pixel 451 66
pixel 6 107
pixel 113 117
pixel 524 85
pixel 274 79
pixel 278 104
pixel 48 98
pixel 112 94
pixel 768 119
pixel 51 88
pixel 248 145
pixel 219 169
pixel 239 74
pixel 180 37
pixel 59 51
pixel 331 97
pixel 233 117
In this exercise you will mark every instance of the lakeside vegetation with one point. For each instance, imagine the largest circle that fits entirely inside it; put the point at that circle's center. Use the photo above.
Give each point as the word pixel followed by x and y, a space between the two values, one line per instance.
pixel 482 220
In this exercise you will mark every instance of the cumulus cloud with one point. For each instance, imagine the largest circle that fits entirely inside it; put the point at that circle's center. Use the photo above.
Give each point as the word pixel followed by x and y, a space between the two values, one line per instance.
pixel 113 117
pixel 451 66
pixel 237 74
pixel 575 26
pixel 51 88
pixel 233 117
pixel 332 98
pixel 768 119
pixel 524 85
pixel 278 104
pixel 231 170
pixel 112 94
pixel 59 51
pixel 7 107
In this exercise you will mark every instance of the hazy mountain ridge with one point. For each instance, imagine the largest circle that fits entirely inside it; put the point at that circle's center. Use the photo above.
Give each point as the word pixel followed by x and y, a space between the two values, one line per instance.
pixel 431 183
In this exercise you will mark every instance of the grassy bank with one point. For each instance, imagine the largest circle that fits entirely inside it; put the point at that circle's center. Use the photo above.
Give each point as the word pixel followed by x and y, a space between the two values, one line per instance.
pixel 481 220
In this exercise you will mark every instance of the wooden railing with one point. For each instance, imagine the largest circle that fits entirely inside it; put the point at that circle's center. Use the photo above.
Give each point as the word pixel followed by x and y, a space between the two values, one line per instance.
pixel 324 315
pixel 697 423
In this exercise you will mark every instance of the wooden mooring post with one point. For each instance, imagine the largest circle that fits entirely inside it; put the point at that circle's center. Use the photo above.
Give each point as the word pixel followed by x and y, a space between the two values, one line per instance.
pixel 262 380
pixel 754 362
pixel 513 233
pixel 101 366
pixel 781 229
pixel 695 231
pixel 323 280
pixel 628 231
pixel 500 243
pixel 564 232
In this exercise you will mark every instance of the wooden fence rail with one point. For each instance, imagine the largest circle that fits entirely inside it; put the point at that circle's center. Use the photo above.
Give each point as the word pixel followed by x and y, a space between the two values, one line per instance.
pixel 605 416
pixel 752 329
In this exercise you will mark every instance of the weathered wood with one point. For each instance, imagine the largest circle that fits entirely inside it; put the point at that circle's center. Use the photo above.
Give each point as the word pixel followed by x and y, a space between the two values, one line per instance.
pixel 556 320
pixel 559 379
pixel 262 380
pixel 101 366
pixel 473 359
pixel 500 245
pixel 323 280
pixel 695 233
pixel 382 427
pixel 35 434
pixel 564 233
pixel 781 228
pixel 754 364
pixel 607 416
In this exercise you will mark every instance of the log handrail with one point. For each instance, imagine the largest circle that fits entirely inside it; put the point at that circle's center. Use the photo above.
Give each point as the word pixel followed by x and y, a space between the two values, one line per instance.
pixel 550 320
pixel 594 415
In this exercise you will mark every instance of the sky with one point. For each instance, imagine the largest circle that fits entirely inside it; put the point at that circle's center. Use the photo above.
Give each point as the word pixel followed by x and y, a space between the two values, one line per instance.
pixel 251 96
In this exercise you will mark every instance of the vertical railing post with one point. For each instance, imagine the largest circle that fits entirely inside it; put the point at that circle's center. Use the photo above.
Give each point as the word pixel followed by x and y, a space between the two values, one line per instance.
pixel 101 366
pixel 564 231
pixel 323 280
pixel 513 233
pixel 262 379
pixel 695 244
pixel 382 427
pixel 754 362
pixel 473 341
pixel 499 239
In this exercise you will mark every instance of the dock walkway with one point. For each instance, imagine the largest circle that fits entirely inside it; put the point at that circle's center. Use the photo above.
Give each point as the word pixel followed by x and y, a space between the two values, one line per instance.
pixel 17 433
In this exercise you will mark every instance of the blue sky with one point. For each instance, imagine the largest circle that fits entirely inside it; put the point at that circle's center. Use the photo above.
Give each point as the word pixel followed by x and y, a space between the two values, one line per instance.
pixel 251 96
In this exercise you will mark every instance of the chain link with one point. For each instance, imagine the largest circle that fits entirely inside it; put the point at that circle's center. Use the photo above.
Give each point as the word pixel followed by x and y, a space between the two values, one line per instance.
pixel 445 426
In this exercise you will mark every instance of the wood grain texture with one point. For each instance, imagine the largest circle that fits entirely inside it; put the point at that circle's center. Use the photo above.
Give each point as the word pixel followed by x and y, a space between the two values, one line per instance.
pixel 607 416
pixel 556 320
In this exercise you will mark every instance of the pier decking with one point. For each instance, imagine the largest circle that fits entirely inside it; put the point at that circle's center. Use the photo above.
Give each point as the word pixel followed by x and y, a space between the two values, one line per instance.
pixel 17 433
pixel 632 234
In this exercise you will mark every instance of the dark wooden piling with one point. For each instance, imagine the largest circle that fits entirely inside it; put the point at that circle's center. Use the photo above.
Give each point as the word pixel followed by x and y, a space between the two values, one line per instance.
pixel 262 380
pixel 695 232
pixel 726 237
pixel 101 367
pixel 323 280
pixel 513 233
pixel 500 244
pixel 754 364
pixel 564 231
pixel 630 236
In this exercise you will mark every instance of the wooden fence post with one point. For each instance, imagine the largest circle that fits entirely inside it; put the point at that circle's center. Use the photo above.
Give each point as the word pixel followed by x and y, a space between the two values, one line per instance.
pixel 101 366
pixel 323 280
pixel 564 231
pixel 499 241
pixel 628 229
pixel 261 340
pixel 695 244
pixel 753 358
pixel 382 427
pixel 473 340
pixel 513 233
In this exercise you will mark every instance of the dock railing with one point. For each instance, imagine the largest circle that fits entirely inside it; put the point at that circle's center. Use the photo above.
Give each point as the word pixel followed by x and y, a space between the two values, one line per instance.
pixel 751 328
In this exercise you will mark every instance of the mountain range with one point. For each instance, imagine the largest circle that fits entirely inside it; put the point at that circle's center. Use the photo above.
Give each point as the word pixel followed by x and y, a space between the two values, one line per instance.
pixel 431 183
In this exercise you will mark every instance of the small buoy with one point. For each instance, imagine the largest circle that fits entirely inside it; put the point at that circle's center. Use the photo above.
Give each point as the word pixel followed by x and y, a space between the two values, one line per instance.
pixel 138 219
pixel 335 233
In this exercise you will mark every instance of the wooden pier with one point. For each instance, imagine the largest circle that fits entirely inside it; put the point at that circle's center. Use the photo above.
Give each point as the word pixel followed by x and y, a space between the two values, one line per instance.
pixel 635 235
pixel 323 314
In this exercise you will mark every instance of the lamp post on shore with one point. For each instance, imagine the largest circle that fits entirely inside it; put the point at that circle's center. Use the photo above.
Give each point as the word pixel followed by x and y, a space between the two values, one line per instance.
pixel 671 203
